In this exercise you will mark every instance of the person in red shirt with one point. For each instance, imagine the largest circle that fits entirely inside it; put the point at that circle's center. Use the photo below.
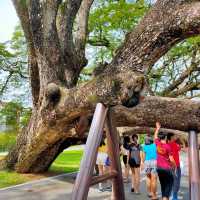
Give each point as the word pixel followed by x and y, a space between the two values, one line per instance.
pixel 175 153
pixel 165 162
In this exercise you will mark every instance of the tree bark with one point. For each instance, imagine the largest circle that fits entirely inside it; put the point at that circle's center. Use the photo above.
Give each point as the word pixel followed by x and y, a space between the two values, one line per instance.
pixel 61 104
pixel 148 130
pixel 183 115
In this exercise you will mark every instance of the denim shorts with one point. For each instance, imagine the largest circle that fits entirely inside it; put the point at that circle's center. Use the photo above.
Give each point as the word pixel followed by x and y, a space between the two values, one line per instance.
pixel 150 166
pixel 101 158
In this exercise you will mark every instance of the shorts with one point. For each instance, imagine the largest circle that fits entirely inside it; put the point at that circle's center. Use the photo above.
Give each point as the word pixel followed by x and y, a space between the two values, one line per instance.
pixel 150 166
pixel 133 163
pixel 101 158
pixel 107 163
pixel 166 181
pixel 125 159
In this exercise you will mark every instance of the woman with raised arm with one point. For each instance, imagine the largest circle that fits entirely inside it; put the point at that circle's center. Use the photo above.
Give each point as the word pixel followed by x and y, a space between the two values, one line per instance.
pixel 165 162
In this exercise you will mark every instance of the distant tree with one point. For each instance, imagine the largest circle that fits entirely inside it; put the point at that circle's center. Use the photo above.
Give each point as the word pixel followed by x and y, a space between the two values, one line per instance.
pixel 14 69
pixel 14 116
pixel 177 73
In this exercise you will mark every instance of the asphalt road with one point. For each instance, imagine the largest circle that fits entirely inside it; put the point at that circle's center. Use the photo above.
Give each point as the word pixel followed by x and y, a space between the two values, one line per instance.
pixel 60 187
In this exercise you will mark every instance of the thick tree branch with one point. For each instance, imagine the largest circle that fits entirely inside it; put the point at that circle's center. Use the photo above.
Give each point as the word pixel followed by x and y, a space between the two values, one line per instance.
pixel 168 111
pixel 81 25
pixel 51 40
pixel 73 60
pixel 47 46
pixel 35 20
pixel 57 117
pixel 183 136
pixel 52 58
pixel 148 130
pixel 34 75
pixel 171 113
pixel 166 24
pixel 66 16
pixel 23 13
pixel 117 90
pixel 185 89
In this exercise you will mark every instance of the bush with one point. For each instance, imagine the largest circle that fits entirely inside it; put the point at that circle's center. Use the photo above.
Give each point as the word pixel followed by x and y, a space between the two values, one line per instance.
pixel 7 141
pixel 14 116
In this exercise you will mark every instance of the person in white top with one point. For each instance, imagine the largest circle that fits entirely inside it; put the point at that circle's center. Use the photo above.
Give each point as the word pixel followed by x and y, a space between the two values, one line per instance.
pixel 125 153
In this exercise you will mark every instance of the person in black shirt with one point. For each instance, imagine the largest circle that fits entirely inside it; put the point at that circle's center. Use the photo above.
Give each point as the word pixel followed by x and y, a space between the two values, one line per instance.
pixel 134 160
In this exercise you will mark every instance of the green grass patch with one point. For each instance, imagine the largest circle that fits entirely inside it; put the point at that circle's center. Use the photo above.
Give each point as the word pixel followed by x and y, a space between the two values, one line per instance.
pixel 8 178
pixel 66 162
pixel 7 141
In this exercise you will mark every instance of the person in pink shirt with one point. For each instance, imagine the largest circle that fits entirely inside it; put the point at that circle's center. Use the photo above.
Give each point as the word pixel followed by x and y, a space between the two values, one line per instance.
pixel 165 162
pixel 175 147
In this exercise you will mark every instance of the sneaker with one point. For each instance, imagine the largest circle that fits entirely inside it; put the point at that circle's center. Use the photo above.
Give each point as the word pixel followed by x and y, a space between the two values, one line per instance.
pixel 108 189
pixel 100 190
pixel 149 195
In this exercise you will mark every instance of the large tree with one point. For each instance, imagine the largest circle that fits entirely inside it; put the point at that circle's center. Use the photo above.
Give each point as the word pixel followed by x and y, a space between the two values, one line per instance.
pixel 56 33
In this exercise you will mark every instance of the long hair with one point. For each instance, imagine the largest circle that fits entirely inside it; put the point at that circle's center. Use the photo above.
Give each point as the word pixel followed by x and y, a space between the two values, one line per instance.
pixel 148 140
pixel 102 142
pixel 169 136
pixel 126 142
pixel 162 136
pixel 134 137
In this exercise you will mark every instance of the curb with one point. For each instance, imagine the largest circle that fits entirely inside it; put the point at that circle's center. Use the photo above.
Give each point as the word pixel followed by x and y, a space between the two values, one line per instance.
pixel 37 181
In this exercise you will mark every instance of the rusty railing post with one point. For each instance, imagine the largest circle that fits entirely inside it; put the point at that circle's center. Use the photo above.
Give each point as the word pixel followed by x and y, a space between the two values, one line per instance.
pixel 114 155
pixel 84 178
pixel 194 167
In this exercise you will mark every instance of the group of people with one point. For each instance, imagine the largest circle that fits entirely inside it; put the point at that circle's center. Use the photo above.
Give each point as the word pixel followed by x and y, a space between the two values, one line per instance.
pixel 158 157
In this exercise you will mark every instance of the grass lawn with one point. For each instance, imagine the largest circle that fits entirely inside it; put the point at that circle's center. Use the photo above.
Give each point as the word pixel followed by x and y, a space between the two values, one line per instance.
pixel 7 140
pixel 8 178
pixel 66 162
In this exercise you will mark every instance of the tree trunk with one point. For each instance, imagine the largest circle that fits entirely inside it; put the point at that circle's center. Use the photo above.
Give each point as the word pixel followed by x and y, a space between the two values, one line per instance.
pixel 58 104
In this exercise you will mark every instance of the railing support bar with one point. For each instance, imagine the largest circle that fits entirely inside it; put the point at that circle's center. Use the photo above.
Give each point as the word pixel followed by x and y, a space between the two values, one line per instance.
pixel 194 166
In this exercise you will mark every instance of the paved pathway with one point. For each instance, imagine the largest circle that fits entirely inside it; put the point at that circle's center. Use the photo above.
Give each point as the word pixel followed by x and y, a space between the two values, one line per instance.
pixel 60 187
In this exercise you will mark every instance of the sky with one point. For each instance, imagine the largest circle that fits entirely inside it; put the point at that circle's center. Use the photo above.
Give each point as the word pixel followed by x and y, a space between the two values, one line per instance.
pixel 8 20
